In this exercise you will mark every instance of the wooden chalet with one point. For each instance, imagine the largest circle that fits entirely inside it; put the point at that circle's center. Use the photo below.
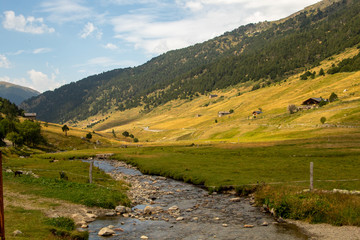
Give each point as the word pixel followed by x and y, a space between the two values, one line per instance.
pixel 30 116
pixel 213 96
pixel 313 101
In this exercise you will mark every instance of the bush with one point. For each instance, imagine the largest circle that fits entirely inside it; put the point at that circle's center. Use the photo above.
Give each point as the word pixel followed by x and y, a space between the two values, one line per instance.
pixel 88 136
pixel 136 140
pixel 125 134
pixel 63 175
pixel 333 97
pixel 292 109
pixel 323 120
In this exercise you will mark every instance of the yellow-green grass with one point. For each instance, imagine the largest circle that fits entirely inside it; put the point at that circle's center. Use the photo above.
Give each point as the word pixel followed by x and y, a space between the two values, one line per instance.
pixel 178 120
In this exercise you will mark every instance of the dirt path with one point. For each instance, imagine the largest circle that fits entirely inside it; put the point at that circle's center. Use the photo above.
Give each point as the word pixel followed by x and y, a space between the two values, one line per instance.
pixel 52 207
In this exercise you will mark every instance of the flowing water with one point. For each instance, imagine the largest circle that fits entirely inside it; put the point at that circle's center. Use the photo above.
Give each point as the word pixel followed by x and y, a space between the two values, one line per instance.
pixel 199 215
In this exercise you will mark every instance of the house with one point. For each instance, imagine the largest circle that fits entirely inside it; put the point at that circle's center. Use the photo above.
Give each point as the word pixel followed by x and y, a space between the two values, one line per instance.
pixel 313 101
pixel 213 96
pixel 31 116
pixel 221 114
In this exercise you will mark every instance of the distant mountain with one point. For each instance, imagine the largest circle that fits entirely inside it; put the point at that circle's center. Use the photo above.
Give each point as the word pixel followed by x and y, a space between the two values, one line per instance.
pixel 15 93
pixel 258 54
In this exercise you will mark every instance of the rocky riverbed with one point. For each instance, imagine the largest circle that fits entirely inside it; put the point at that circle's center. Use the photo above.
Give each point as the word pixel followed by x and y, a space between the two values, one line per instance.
pixel 168 209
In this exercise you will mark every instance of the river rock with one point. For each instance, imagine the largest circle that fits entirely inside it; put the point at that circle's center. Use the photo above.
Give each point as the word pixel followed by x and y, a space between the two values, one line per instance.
pixel 180 219
pixel 120 209
pixel 248 226
pixel 235 199
pixel 110 214
pixel 224 225
pixel 144 237
pixel 265 224
pixel 174 208
pixel 149 210
pixel 106 232
pixel 111 226
pixel 91 215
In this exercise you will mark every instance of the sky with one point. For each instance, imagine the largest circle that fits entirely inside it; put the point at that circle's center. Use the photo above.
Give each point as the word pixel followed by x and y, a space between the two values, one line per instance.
pixel 45 44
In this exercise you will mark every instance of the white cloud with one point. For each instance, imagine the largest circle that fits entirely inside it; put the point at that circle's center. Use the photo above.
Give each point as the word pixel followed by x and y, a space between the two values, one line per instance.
pixel 4 62
pixel 62 11
pixel 42 82
pixel 110 46
pixel 27 25
pixel 195 21
pixel 41 50
pixel 90 30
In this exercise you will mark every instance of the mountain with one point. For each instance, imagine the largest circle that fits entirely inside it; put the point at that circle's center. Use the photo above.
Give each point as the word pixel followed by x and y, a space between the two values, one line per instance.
pixel 256 54
pixel 16 93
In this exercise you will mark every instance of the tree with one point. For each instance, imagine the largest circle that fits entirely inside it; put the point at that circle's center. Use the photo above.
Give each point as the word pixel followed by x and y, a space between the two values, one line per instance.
pixel 30 132
pixel 333 97
pixel 15 138
pixel 88 136
pixel 131 135
pixel 323 120
pixel 65 129
pixel 114 134
pixel 136 140
pixel 231 111
pixel 322 72
pixel 125 134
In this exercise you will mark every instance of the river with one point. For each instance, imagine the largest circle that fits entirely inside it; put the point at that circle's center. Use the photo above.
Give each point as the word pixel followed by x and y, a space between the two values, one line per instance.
pixel 185 211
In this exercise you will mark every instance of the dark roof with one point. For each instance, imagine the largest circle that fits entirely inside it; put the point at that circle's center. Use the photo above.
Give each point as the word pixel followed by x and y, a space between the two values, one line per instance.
pixel 313 100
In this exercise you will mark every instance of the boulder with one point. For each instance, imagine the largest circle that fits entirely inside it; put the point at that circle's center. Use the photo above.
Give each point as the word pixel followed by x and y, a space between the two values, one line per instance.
pixel 148 210
pixel 120 209
pixel 106 232
pixel 248 226
pixel 144 237
pixel 174 208
pixel 180 219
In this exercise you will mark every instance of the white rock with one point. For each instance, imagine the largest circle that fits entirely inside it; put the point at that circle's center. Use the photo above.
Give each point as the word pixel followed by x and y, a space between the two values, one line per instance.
pixel 111 226
pixel 84 226
pixel 235 199
pixel 106 232
pixel 144 237
pixel 17 233
pixel 224 225
pixel 90 215
pixel 180 219
pixel 120 209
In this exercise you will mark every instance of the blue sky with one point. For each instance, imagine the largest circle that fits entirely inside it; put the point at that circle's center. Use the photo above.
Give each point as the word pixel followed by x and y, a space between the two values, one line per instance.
pixel 45 44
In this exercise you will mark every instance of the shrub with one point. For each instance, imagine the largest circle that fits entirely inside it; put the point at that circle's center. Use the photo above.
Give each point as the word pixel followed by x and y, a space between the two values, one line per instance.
pixel 63 175
pixel 126 134
pixel 231 111
pixel 323 120
pixel 333 97
pixel 292 109
pixel 88 136
pixel 136 140
pixel 61 222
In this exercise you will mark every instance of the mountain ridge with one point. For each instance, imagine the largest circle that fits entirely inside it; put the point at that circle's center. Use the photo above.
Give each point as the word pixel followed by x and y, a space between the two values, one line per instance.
pixel 16 93
pixel 251 53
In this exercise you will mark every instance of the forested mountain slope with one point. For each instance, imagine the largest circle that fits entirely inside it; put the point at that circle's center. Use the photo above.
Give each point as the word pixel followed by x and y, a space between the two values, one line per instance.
pixel 261 53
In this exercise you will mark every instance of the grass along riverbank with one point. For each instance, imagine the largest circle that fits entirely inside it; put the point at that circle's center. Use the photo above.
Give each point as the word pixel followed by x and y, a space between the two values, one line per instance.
pixel 276 164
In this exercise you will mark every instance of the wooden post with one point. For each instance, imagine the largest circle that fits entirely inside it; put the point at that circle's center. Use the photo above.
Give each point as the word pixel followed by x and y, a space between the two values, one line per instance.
pixel 311 176
pixel 90 172
pixel 2 222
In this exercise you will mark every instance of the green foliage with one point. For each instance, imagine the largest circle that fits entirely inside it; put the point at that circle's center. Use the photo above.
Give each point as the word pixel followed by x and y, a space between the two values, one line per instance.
pixel 63 175
pixel 323 102
pixel 323 120
pixel 321 72
pixel 307 74
pixel 30 131
pixel 131 136
pixel 15 138
pixel 314 207
pixel 231 111
pixel 136 140
pixel 126 134
pixel 113 133
pixel 292 109
pixel 346 65
pixel 333 97
pixel 65 129
pixel 88 136
pixel 61 222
